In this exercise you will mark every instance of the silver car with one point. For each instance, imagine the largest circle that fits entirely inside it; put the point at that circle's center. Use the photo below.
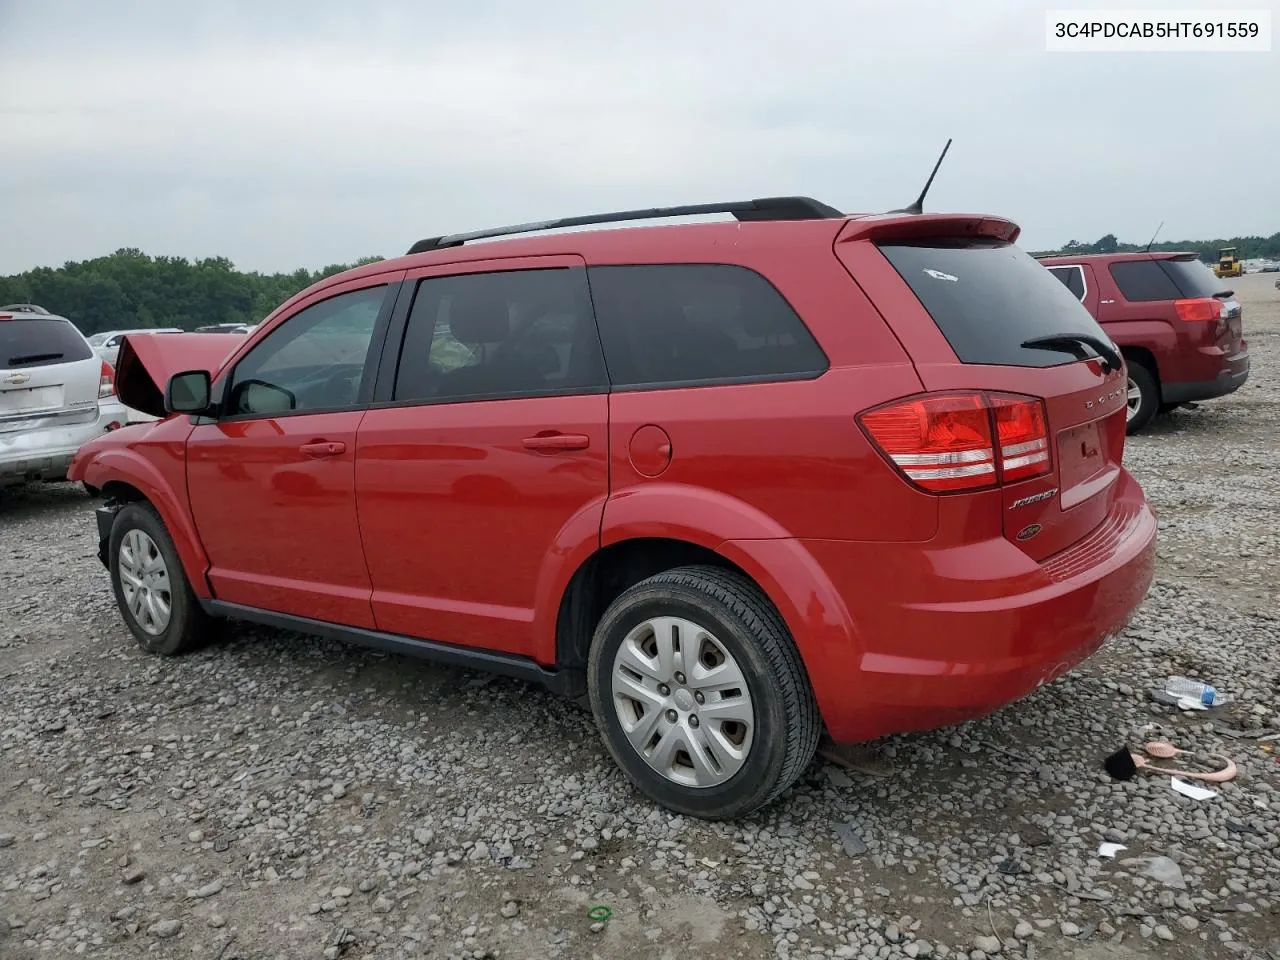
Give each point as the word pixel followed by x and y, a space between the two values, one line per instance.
pixel 55 394
pixel 107 343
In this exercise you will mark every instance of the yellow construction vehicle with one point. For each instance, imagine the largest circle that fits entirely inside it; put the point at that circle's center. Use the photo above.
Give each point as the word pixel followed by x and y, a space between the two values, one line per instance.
pixel 1228 264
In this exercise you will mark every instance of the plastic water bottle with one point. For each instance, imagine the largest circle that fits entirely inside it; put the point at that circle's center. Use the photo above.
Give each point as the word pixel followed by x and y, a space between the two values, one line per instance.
pixel 1203 693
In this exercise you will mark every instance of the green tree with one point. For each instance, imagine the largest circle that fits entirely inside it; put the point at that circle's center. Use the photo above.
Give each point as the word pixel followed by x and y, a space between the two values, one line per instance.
pixel 1247 248
pixel 131 289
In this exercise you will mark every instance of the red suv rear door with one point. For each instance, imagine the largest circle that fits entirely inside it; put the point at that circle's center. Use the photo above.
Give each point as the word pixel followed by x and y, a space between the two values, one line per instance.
pixel 968 306
pixel 484 464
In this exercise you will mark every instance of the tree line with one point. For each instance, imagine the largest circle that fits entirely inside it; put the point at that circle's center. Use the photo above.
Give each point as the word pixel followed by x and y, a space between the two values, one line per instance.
pixel 1247 248
pixel 131 289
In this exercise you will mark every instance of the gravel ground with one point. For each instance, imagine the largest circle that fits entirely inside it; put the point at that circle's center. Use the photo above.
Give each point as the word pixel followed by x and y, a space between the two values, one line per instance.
pixel 281 796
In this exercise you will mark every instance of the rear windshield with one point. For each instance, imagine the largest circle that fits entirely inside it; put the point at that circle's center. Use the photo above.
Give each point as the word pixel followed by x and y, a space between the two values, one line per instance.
pixel 1193 278
pixel 989 297
pixel 1146 281
pixel 37 343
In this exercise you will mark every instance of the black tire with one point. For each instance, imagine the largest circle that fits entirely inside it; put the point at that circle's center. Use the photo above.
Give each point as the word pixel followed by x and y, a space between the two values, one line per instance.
pixel 1149 402
pixel 787 724
pixel 189 626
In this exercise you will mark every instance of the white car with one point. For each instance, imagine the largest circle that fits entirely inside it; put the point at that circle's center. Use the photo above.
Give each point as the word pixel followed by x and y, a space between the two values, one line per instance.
pixel 107 343
pixel 56 393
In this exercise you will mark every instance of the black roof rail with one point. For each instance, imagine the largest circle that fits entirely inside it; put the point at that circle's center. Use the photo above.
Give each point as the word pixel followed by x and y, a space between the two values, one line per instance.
pixel 764 208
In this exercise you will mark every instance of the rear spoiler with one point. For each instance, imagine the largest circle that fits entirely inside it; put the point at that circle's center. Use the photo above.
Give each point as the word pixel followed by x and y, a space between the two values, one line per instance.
pixel 147 361
pixel 895 226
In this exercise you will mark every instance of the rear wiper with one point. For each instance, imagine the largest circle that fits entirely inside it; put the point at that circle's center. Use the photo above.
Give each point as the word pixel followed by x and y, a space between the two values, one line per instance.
pixel 34 358
pixel 1056 341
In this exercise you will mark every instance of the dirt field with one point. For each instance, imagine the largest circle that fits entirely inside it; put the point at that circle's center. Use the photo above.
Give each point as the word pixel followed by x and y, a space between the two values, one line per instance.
pixel 277 796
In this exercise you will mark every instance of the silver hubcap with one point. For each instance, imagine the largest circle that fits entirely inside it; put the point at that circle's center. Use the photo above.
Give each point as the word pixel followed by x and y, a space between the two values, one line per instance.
pixel 1134 399
pixel 144 580
pixel 683 702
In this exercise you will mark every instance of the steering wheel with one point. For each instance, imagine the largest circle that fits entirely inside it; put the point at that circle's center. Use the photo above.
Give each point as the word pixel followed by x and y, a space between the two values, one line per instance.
pixel 337 388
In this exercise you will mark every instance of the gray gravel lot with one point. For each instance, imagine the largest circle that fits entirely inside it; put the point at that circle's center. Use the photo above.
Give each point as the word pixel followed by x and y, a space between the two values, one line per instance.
pixel 281 796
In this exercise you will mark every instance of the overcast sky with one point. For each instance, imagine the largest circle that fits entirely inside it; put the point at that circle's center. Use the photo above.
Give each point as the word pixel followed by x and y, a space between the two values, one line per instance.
pixel 285 134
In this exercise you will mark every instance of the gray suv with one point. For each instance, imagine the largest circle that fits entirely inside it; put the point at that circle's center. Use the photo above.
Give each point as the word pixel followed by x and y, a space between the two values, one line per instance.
pixel 55 394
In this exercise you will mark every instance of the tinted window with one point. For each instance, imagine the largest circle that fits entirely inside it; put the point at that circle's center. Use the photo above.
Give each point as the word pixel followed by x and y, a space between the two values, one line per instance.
pixel 1193 278
pixel 1144 280
pixel 313 361
pixel 503 334
pixel 37 343
pixel 989 297
pixel 698 323
pixel 1072 278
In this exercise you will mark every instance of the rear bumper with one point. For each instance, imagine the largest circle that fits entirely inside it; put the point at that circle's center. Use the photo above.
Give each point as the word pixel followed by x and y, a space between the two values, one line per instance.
pixel 941 635
pixel 1230 380
pixel 45 453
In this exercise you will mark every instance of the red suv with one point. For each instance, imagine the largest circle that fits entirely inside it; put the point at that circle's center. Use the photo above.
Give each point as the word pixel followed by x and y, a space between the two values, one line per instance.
pixel 1176 323
pixel 734 484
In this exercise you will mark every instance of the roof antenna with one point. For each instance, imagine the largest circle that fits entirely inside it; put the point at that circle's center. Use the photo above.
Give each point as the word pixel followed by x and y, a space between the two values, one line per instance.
pixel 1153 237
pixel 918 206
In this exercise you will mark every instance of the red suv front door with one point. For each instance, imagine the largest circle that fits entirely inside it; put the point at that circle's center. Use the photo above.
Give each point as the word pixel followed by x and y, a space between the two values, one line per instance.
pixel 485 466
pixel 272 481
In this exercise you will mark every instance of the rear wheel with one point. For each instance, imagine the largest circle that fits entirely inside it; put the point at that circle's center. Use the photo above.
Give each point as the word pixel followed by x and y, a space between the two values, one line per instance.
pixel 151 588
pixel 700 693
pixel 1143 399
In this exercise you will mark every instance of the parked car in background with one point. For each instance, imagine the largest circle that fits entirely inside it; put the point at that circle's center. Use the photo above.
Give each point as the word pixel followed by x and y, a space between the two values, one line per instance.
pixel 55 394
pixel 1177 324
pixel 107 343
pixel 694 475
pixel 223 328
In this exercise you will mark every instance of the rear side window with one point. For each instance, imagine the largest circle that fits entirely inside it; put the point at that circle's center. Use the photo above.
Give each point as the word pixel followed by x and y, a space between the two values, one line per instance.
pixel 1072 278
pixel 513 333
pixel 38 343
pixel 989 297
pixel 1144 280
pixel 698 324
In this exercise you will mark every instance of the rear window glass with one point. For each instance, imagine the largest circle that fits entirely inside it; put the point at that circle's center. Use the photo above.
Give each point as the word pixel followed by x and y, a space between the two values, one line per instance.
pixel 698 324
pixel 38 343
pixel 1193 278
pixel 989 297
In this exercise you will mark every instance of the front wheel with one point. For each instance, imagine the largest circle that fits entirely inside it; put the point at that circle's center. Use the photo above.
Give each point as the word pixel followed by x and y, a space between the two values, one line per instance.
pixel 1143 399
pixel 700 693
pixel 151 588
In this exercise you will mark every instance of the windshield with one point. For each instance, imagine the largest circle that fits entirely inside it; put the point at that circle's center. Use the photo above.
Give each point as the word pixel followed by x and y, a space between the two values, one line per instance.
pixel 97 340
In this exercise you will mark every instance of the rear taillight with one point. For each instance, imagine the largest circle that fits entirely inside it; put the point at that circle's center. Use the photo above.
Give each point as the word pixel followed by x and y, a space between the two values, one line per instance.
pixel 106 381
pixel 1199 310
pixel 1023 437
pixel 949 442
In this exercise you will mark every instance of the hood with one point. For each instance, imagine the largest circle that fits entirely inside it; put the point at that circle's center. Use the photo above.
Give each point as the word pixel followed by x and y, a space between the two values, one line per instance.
pixel 147 361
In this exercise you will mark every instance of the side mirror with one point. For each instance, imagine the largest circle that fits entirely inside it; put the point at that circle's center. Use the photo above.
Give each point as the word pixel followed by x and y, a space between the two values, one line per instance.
pixel 188 392
pixel 259 396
